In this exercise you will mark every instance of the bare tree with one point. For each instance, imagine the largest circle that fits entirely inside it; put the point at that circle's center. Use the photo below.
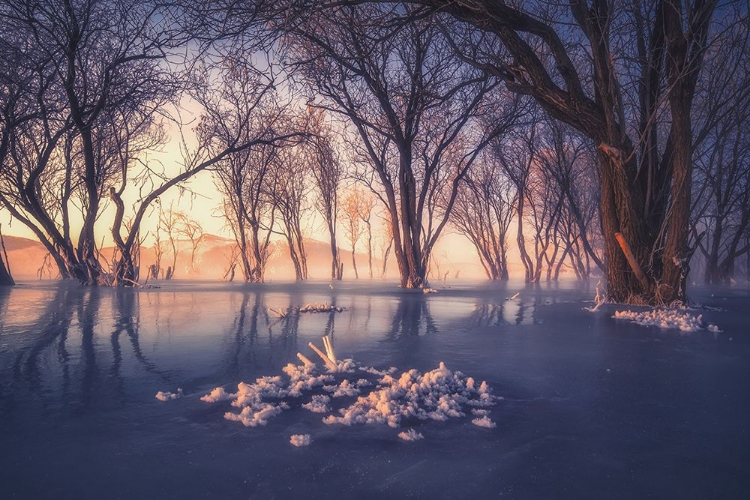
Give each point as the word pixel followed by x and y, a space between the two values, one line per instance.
pixel 289 193
pixel 326 169
pixel 246 181
pixel 239 112
pixel 98 74
pixel 483 212
pixel 169 221
pixel 365 212
pixel 193 231
pixel 568 160
pixel 645 180
pixel 352 227
pixel 721 152
pixel 386 244
pixel 408 99
pixel 155 269
pixel 6 278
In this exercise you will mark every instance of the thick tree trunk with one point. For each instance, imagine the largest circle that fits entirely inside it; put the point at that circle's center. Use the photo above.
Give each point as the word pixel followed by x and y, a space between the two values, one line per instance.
pixel 619 215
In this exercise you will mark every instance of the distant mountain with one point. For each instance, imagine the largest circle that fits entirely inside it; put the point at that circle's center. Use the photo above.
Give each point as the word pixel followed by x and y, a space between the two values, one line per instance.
pixel 212 260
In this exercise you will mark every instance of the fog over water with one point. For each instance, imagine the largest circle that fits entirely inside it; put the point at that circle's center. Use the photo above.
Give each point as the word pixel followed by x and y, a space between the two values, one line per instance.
pixel 591 407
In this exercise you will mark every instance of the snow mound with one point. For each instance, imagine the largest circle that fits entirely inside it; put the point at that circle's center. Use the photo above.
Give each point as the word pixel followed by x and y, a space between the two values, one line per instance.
pixel 436 395
pixel 319 404
pixel 300 439
pixel 485 421
pixel 411 435
pixel 666 319
pixel 439 395
pixel 168 396
pixel 216 395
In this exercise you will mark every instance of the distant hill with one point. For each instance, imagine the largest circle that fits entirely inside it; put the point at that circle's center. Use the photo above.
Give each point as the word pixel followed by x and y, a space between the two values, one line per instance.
pixel 27 257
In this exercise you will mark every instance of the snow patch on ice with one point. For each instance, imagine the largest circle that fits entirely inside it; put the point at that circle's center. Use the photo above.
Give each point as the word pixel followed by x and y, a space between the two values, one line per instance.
pixel 257 414
pixel 319 404
pixel 666 319
pixel 439 394
pixel 168 396
pixel 300 439
pixel 484 421
pixel 410 435
pixel 216 395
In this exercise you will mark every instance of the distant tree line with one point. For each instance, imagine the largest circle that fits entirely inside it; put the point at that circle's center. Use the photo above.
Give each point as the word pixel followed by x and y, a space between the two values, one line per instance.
pixel 605 137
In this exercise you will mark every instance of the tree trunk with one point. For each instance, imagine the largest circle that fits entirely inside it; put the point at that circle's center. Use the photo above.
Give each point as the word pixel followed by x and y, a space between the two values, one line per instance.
pixel 527 264
pixel 5 277
pixel 337 268
pixel 354 264
pixel 369 246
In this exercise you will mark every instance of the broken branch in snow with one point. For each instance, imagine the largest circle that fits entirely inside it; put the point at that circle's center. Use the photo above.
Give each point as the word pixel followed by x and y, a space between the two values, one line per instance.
pixel 329 348
pixel 305 359
pixel 325 358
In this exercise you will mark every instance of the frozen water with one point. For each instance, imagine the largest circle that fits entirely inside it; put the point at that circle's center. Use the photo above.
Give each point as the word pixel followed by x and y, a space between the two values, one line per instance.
pixel 585 406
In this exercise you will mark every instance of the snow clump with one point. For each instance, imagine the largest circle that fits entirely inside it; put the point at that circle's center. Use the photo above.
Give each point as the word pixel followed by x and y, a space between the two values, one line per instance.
pixel 319 404
pixel 666 319
pixel 436 395
pixel 411 435
pixel 168 396
pixel 485 421
pixel 439 395
pixel 300 439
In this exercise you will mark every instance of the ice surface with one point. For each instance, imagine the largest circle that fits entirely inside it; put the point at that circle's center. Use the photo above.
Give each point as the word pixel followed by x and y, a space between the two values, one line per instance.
pixel 79 368
pixel 665 319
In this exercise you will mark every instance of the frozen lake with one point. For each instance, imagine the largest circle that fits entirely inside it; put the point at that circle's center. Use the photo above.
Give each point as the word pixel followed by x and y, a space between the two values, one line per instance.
pixel 592 407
